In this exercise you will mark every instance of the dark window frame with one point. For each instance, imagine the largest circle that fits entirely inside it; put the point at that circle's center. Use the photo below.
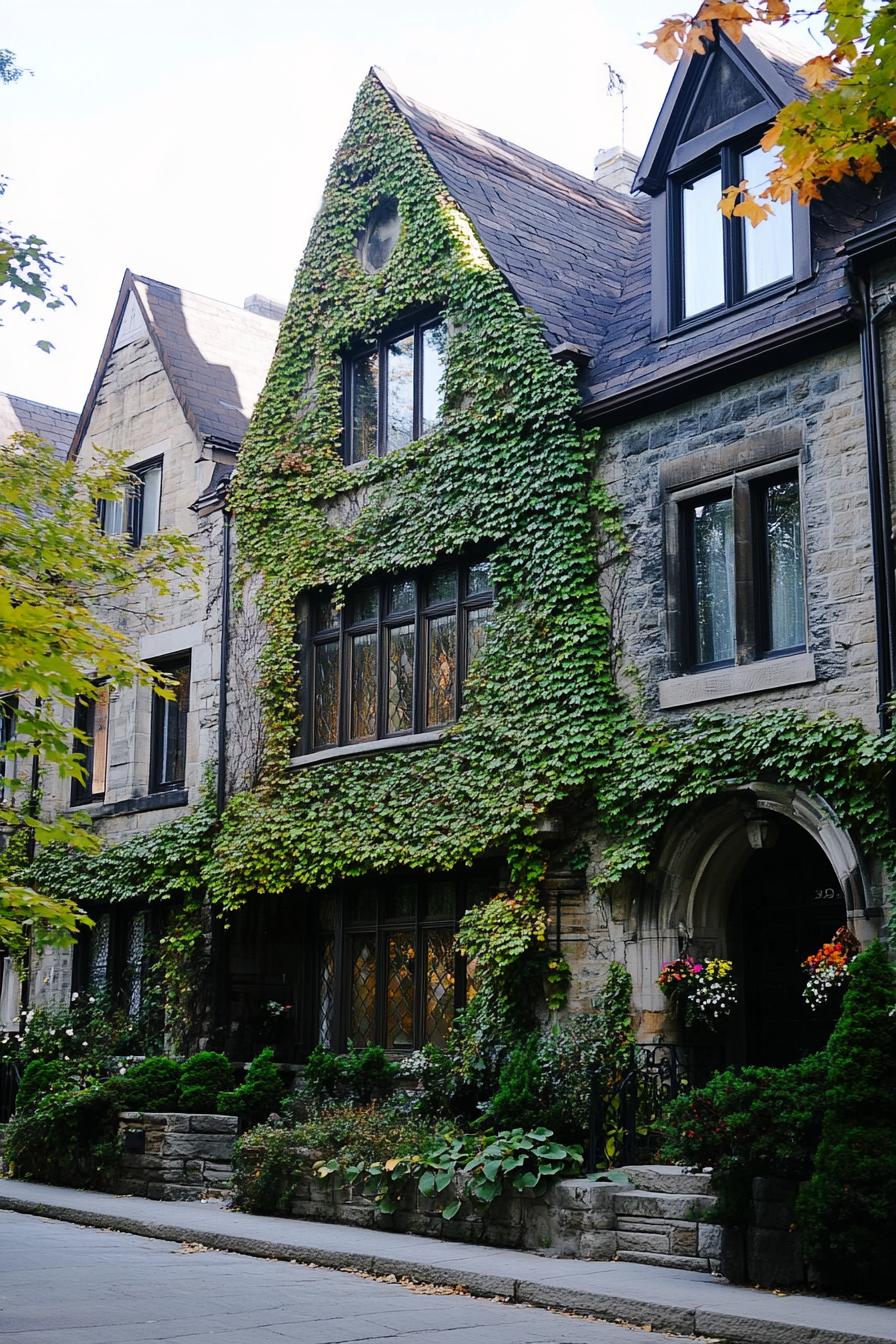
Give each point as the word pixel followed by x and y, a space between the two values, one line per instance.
pixel 466 893
pixel 413 326
pixel 158 722
pixel 123 979
pixel 748 487
pixel 9 705
pixel 345 630
pixel 132 518
pixel 85 721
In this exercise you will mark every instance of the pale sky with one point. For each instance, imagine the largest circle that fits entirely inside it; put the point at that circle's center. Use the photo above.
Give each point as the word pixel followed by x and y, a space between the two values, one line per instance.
pixel 190 139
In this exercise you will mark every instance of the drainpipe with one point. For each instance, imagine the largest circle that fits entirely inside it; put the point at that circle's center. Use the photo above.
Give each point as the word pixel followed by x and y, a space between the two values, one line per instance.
pixel 221 780
pixel 879 487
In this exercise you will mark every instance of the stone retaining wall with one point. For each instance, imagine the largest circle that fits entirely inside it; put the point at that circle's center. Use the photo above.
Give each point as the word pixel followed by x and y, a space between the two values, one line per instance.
pixel 171 1156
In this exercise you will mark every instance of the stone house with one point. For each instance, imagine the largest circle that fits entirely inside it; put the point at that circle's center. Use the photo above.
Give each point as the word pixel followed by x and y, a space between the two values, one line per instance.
pixel 737 378
pixel 481 618
pixel 174 388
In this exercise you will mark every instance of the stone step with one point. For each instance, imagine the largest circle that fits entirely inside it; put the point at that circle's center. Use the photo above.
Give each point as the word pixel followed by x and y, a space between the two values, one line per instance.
pixel 669 1180
pixel 652 1205
pixel 697 1263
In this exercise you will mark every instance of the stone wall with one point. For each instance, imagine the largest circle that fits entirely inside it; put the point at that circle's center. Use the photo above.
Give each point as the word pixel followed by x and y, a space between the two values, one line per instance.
pixel 171 1156
pixel 820 400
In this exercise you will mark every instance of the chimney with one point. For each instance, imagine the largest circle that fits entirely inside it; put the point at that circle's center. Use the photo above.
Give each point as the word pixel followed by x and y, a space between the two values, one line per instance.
pixel 615 168
pixel 262 306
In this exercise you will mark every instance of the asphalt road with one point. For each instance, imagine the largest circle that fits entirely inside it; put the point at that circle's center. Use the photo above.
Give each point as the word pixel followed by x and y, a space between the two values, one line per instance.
pixel 84 1286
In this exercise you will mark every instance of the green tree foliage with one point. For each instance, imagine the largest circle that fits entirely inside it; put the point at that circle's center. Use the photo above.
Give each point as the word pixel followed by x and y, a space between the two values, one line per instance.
pixel 62 582
pixel 151 1085
pixel 848 116
pixel 847 1212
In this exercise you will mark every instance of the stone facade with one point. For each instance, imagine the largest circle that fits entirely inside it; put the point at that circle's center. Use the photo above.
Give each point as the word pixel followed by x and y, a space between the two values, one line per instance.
pixel 172 1156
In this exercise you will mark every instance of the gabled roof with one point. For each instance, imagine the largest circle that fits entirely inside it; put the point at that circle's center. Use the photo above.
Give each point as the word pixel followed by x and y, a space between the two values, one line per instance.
pixel 215 354
pixel 562 241
pixel 18 415
pixel 769 61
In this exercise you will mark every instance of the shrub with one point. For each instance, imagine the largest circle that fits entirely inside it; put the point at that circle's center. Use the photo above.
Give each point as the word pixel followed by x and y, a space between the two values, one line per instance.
pixel 749 1122
pixel 69 1138
pixel 269 1162
pixel 151 1085
pixel 359 1075
pixel 262 1092
pixel 519 1097
pixel 39 1078
pixel 847 1211
pixel 203 1078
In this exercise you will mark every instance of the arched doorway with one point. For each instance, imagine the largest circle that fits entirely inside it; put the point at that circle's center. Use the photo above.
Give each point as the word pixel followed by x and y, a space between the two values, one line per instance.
pixel 761 874
pixel 785 902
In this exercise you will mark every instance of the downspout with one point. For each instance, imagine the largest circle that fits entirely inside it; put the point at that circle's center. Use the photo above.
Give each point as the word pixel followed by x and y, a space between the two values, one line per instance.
pixel 879 494
pixel 221 778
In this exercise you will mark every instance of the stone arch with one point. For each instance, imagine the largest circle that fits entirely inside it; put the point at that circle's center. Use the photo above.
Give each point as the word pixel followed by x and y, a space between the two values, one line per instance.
pixel 703 852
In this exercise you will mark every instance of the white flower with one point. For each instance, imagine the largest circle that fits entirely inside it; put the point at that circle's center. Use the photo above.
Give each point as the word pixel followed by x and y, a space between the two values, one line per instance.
pixel 84 1044
pixel 69 1031
pixel 34 1050
pixel 122 1069
pixel 91 1000
pixel 75 996
pixel 52 1031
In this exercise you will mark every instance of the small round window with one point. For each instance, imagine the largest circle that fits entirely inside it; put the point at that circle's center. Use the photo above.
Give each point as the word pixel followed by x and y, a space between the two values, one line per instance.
pixel 377 241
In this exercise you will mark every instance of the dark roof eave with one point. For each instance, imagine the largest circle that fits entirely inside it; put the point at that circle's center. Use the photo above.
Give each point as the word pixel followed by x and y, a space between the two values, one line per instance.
pixel 822 330
pixel 872 243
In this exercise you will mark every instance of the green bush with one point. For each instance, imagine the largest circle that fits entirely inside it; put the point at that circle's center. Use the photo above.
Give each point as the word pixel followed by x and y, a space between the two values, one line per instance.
pixel 358 1076
pixel 151 1085
pixel 847 1211
pixel 203 1078
pixel 69 1138
pixel 749 1122
pixel 39 1078
pixel 269 1162
pixel 262 1092
pixel 519 1097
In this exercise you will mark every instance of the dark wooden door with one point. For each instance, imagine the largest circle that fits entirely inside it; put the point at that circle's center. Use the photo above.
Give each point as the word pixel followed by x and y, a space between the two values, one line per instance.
pixel 787 902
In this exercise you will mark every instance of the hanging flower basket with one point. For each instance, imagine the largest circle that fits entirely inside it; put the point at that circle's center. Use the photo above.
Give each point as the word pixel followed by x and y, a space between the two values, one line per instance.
pixel 828 968
pixel 705 992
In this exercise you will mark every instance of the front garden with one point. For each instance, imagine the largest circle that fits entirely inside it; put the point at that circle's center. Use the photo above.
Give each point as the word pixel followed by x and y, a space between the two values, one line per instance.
pixel 458 1132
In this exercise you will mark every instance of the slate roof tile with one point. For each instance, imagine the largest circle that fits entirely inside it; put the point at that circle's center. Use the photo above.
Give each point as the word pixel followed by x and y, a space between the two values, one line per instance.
pixel 18 415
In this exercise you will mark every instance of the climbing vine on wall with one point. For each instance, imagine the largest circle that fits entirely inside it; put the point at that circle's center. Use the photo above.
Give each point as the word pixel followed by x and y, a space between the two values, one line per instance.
pixel 507 468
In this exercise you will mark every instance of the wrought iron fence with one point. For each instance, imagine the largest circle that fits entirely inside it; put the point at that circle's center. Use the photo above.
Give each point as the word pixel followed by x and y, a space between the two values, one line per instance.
pixel 9 1086
pixel 625 1115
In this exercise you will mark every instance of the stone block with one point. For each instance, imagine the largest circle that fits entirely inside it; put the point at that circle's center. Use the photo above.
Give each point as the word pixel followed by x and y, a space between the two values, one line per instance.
pixel 198 1146
pixel 657 1242
pixel 214 1124
pixel 597 1246
pixel 709 1240
pixel 685 1240
pixel 173 1121
pixel 774 1258
pixel 580 1194
pixel 124 1186
pixel 169 1192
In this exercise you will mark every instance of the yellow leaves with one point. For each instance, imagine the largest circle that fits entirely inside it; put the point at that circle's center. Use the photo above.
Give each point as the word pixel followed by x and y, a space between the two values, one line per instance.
pixel 740 202
pixel 677 36
pixel 818 72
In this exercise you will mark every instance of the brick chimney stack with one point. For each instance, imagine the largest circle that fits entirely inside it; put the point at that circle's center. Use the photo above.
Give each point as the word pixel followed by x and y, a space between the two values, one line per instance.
pixel 262 306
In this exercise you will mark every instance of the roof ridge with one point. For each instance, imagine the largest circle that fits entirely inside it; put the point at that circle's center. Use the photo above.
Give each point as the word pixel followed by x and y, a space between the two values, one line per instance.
pixel 45 405
pixel 207 298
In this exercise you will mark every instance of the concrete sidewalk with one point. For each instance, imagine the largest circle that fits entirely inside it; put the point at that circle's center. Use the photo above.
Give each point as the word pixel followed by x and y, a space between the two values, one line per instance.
pixel 672 1300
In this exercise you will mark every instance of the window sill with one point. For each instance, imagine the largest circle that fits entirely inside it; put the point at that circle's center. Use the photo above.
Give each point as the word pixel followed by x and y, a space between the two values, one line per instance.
pixel 149 802
pixel 409 743
pixel 768 674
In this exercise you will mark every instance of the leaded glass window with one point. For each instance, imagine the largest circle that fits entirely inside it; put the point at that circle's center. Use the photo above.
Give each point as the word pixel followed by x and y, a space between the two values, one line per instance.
pixel 785 601
pixel 712 591
pixel 403 980
pixel 393 390
pixel 100 950
pixel 393 661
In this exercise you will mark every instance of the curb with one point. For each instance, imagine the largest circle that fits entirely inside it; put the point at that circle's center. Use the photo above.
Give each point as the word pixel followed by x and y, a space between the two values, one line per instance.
pixel 719 1326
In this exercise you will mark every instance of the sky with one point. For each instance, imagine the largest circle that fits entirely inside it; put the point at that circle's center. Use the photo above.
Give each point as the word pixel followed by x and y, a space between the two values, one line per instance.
pixel 190 139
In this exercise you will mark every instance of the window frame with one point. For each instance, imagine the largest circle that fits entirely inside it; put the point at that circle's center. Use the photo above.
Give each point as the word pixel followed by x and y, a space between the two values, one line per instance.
pixel 132 505
pixel 85 720
pixel 9 706
pixel 345 631
pixel 158 711
pixel 413 326
pixel 466 892
pixel 745 470
pixel 728 158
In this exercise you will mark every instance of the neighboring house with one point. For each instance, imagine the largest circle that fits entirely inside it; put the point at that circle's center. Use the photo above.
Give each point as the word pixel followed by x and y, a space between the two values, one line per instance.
pixel 732 379
pixel 174 388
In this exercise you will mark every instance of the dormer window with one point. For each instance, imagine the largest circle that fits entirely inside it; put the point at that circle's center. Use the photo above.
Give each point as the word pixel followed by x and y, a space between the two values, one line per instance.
pixel 724 261
pixel 706 139
pixel 393 390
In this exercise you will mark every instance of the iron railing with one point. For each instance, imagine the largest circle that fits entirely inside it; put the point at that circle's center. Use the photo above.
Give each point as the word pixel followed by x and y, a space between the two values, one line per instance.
pixel 624 1117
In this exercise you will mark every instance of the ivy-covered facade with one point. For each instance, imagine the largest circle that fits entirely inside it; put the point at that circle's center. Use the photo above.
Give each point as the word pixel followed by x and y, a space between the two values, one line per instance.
pixel 555 513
